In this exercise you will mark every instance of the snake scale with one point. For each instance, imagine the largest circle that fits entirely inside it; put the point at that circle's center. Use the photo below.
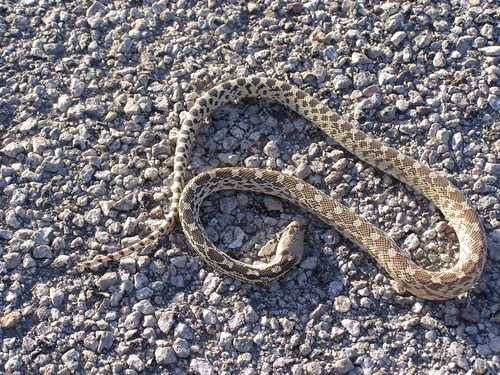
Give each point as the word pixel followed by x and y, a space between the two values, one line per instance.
pixel 185 202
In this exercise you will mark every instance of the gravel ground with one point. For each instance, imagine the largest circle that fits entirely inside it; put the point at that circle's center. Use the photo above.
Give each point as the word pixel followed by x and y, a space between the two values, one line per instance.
pixel 91 96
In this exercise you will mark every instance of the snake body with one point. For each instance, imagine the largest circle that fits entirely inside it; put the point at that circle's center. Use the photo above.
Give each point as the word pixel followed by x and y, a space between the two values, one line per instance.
pixel 434 285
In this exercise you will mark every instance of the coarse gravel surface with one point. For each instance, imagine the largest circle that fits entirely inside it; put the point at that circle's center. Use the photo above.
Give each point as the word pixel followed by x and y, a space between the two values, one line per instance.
pixel 91 99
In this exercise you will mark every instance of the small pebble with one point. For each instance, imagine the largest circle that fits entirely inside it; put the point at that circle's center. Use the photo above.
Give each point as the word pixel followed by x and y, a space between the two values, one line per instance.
pixel 10 320
pixel 165 355
pixel 352 326
pixel 107 280
pixel 343 366
pixel 71 359
pixel 181 348
pixel 201 367
pixel 166 321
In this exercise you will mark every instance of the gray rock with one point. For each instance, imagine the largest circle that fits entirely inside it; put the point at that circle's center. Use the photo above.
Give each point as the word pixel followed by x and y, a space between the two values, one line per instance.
pixel 494 102
pixel 464 44
pixel 272 150
pixel 439 60
pixel 456 141
pixel 309 263
pixel 42 236
pixel 313 368
pixel 90 342
pixel 55 49
pixel 238 238
pixel 226 340
pixel 126 46
pixel 181 348
pixel 12 260
pixel 470 314
pixel 166 321
pixel 144 307
pixel 131 108
pixel 490 50
pixel 386 77
pixel 179 261
pixel 428 322
pixel 305 350
pixel 268 21
pixel 28 125
pixel 127 203
pixel 165 356
pixel 77 88
pixel 250 315
pixel 341 82
pixel 95 8
pixel 352 326
pixel 209 317
pixel 398 37
pixel 228 204
pixel 303 171
pixel 6 234
pixel 160 149
pixel 147 138
pixel 483 349
pixel 494 251
pixel 13 149
pixel 96 110
pixel 135 362
pixel 495 344
pixel 387 114
pixel 459 99
pixel 107 280
pixel 13 365
pixel 335 288
pixel 183 331
pixel 422 40
pixel 492 169
pixel 411 242
pixel 71 359
pixel 360 59
pixel 56 297
pixel 201 367
pixel 94 216
pixel 343 366
pixel 342 304
pixel 243 345
pixel 408 129
pixel 42 252
pixel 64 102
pixel 486 202
pixel 209 284
pixel 53 164
pixel 76 111
pixel 18 197
pixel 132 320
pixel 236 321
pixel 363 79
pixel 106 340
pixel 331 53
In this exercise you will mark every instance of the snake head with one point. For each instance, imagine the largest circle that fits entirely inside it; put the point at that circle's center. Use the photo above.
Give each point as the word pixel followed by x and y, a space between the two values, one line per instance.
pixel 291 242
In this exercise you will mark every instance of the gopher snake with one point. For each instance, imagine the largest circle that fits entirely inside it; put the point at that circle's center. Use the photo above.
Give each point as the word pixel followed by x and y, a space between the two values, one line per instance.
pixel 443 284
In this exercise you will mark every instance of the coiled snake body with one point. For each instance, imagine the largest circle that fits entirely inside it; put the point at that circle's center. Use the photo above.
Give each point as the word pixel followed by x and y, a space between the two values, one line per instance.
pixel 443 284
